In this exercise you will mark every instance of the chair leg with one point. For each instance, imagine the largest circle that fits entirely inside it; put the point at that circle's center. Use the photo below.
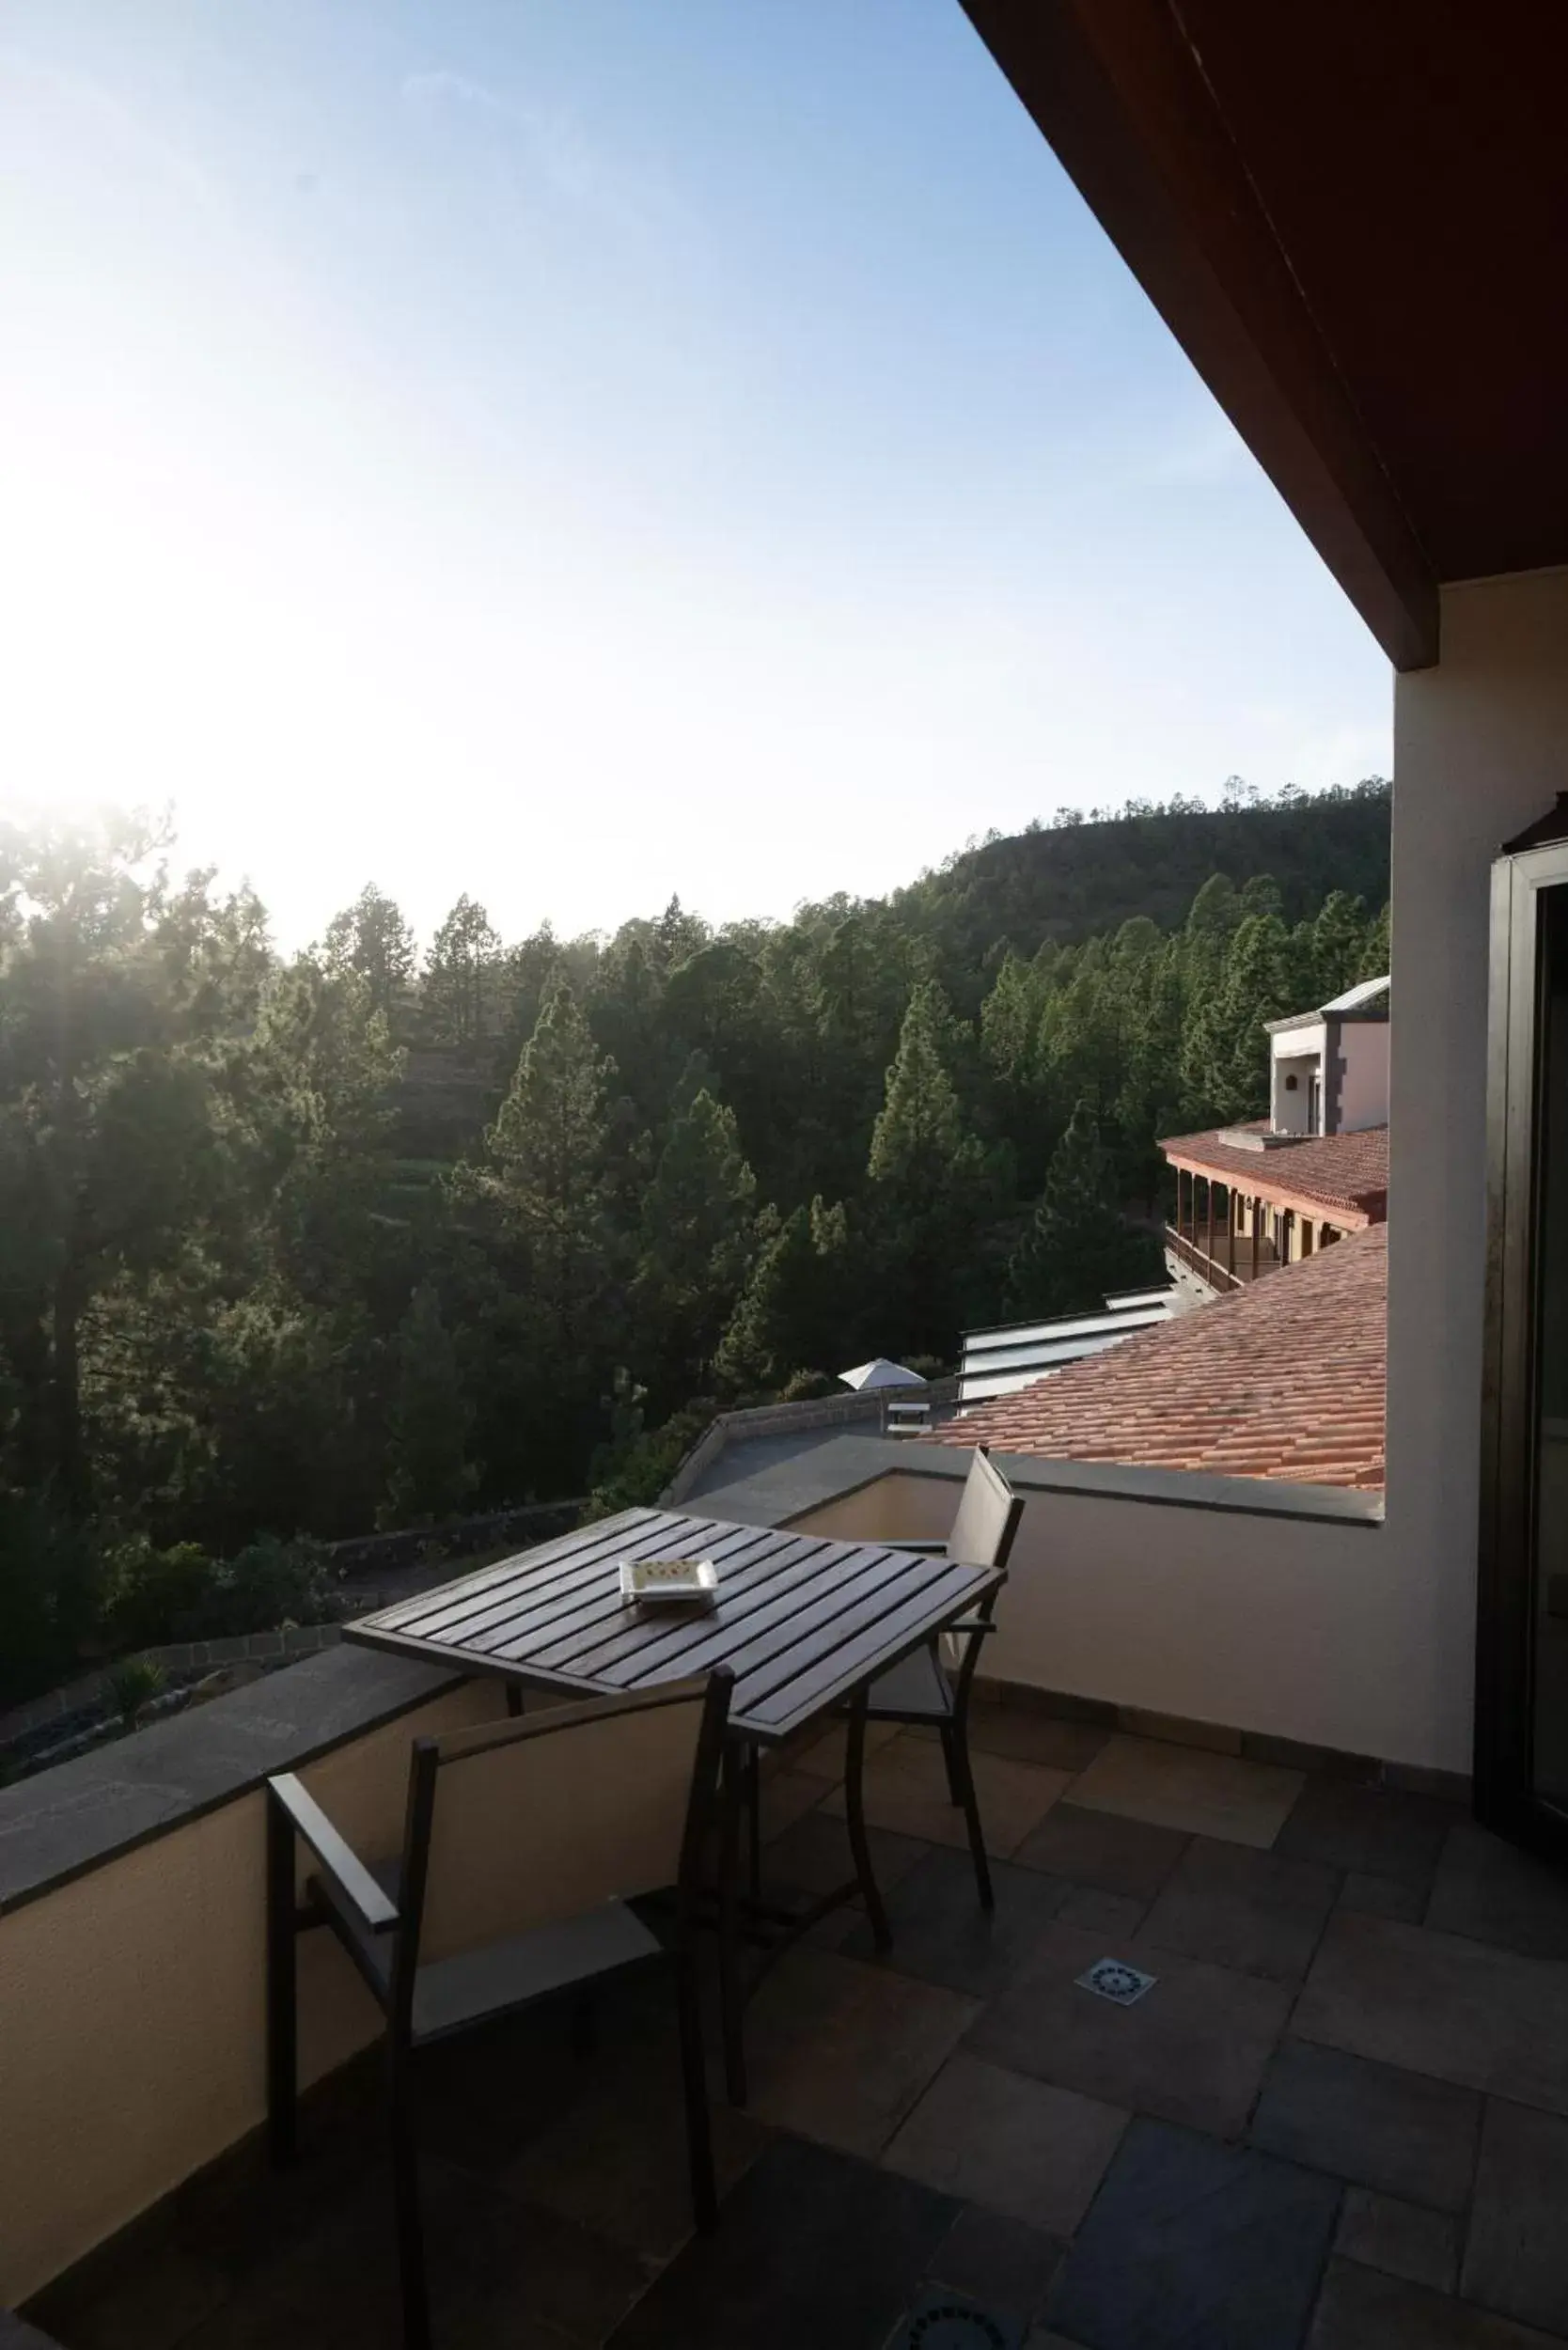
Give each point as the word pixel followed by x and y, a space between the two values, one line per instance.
pixel 854 1819
pixel 958 1756
pixel 694 2074
pixel 731 2001
pixel 405 2205
pixel 955 1783
pixel 282 1990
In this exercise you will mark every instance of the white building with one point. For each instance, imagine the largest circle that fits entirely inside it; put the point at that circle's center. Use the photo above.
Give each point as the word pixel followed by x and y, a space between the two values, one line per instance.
pixel 1329 1073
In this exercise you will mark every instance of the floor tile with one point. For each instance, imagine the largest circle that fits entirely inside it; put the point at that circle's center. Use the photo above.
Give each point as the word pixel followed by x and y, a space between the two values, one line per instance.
pixel 842 2052
pixel 1375 1830
pixel 1384 1897
pixel 614 2158
pixel 906 1791
pixel 1192 2050
pixel 336 2284
pixel 787 1795
pixel 1405 2239
pixel 1029 1737
pixel 1497 1893
pixel 941 1933
pixel 812 1856
pixel 1364 2309
pixel 1396 2131
pixel 999 2261
pixel 1190 1788
pixel 1242 1908
pixel 823 1757
pixel 1017 2145
pixel 1190 2242
pixel 1439 2003
pixel 811 2247
pixel 1097 1848
pixel 1517 2260
pixel 140 2298
pixel 1116 1915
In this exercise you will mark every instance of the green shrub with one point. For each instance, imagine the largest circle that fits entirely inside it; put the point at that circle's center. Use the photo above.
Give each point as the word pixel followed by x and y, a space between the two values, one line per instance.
pixel 268 1583
pixel 48 1570
pixel 151 1595
pixel 804 1386
pixel 634 1474
pixel 130 1687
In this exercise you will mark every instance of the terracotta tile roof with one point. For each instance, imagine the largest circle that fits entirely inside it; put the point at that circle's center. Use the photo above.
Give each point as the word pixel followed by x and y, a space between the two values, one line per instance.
pixel 1282 1379
pixel 1345 1171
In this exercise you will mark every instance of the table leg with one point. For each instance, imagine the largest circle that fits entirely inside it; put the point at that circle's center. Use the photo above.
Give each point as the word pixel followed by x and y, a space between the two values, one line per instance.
pixel 754 1822
pixel 855 1814
pixel 731 1996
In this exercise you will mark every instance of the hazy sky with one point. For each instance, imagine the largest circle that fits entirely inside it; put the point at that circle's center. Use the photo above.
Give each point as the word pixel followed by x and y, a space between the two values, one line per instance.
pixel 578 450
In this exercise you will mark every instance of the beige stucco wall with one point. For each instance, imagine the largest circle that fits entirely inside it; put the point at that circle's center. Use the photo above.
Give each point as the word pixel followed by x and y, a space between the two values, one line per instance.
pixel 1271 1624
pixel 132 2018
pixel 1364 1079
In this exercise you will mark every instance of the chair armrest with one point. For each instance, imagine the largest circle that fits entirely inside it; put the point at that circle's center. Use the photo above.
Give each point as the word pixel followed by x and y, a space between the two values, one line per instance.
pixel 927 1549
pixel 348 1872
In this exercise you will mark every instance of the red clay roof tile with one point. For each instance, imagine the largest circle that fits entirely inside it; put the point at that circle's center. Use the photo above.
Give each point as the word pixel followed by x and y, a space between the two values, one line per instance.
pixel 1349 1173
pixel 1283 1379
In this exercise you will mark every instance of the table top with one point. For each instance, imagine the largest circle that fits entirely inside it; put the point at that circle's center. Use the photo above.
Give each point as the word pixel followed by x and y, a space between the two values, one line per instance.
pixel 801 1620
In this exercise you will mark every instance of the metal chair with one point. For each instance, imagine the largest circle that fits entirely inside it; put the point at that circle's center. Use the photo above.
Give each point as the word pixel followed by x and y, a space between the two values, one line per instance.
pixel 931 1688
pixel 524 1842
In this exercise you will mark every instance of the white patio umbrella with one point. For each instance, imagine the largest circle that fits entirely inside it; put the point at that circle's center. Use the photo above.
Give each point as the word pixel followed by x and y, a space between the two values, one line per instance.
pixel 880 1372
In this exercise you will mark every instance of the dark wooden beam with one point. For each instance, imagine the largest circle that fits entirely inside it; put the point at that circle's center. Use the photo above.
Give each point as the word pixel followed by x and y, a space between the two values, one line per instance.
pixel 1121 94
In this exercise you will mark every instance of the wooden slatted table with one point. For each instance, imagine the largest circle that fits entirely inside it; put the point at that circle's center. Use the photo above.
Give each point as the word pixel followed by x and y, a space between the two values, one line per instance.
pixel 803 1621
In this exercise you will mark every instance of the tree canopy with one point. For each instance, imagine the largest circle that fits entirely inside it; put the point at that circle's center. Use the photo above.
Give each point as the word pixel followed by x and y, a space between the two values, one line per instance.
pixel 303 1244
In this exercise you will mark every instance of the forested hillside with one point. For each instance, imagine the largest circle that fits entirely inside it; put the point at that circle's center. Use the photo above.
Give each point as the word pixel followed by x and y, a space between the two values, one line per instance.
pixel 370 1236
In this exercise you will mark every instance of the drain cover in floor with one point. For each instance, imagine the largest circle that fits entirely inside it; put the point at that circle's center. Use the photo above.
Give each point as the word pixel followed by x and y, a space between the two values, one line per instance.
pixel 946 2321
pixel 1112 1980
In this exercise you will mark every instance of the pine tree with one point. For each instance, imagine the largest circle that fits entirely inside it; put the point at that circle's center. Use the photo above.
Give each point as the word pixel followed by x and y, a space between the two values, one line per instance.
pixel 1339 947
pixel 371 937
pixel 930 1192
pixel 1258 986
pixel 1077 1246
pixel 695 1239
pixel 429 1474
pixel 1376 955
pixel 798 1310
pixel 460 974
pixel 918 1146
pixel 545 1155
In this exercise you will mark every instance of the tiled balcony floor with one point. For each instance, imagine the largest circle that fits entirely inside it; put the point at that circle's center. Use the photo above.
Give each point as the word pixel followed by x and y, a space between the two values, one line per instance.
pixel 1339 2118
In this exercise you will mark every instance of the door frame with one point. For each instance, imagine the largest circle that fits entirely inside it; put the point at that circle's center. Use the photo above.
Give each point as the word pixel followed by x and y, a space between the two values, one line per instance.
pixel 1505 1799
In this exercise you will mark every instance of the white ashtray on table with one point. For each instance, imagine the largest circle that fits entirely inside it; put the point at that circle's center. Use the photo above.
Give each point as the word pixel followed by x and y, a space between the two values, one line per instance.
pixel 667 1582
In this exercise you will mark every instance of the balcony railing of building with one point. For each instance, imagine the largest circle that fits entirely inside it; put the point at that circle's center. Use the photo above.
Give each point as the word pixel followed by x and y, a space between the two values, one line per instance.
pixel 1221 1256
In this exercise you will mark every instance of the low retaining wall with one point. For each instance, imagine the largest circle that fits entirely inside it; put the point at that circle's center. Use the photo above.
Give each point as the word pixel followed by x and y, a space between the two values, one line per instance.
pixel 862 1410
pixel 176 1656
pixel 361 1554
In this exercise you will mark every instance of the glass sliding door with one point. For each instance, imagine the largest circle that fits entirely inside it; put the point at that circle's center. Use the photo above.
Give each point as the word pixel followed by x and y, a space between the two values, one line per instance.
pixel 1522 1645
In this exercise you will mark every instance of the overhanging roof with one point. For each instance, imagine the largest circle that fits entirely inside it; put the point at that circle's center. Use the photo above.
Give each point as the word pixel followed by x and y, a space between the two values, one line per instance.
pixel 1349 217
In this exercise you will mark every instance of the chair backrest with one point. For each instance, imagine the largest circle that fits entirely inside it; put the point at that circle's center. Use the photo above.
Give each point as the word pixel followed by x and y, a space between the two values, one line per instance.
pixel 522 1823
pixel 988 1515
